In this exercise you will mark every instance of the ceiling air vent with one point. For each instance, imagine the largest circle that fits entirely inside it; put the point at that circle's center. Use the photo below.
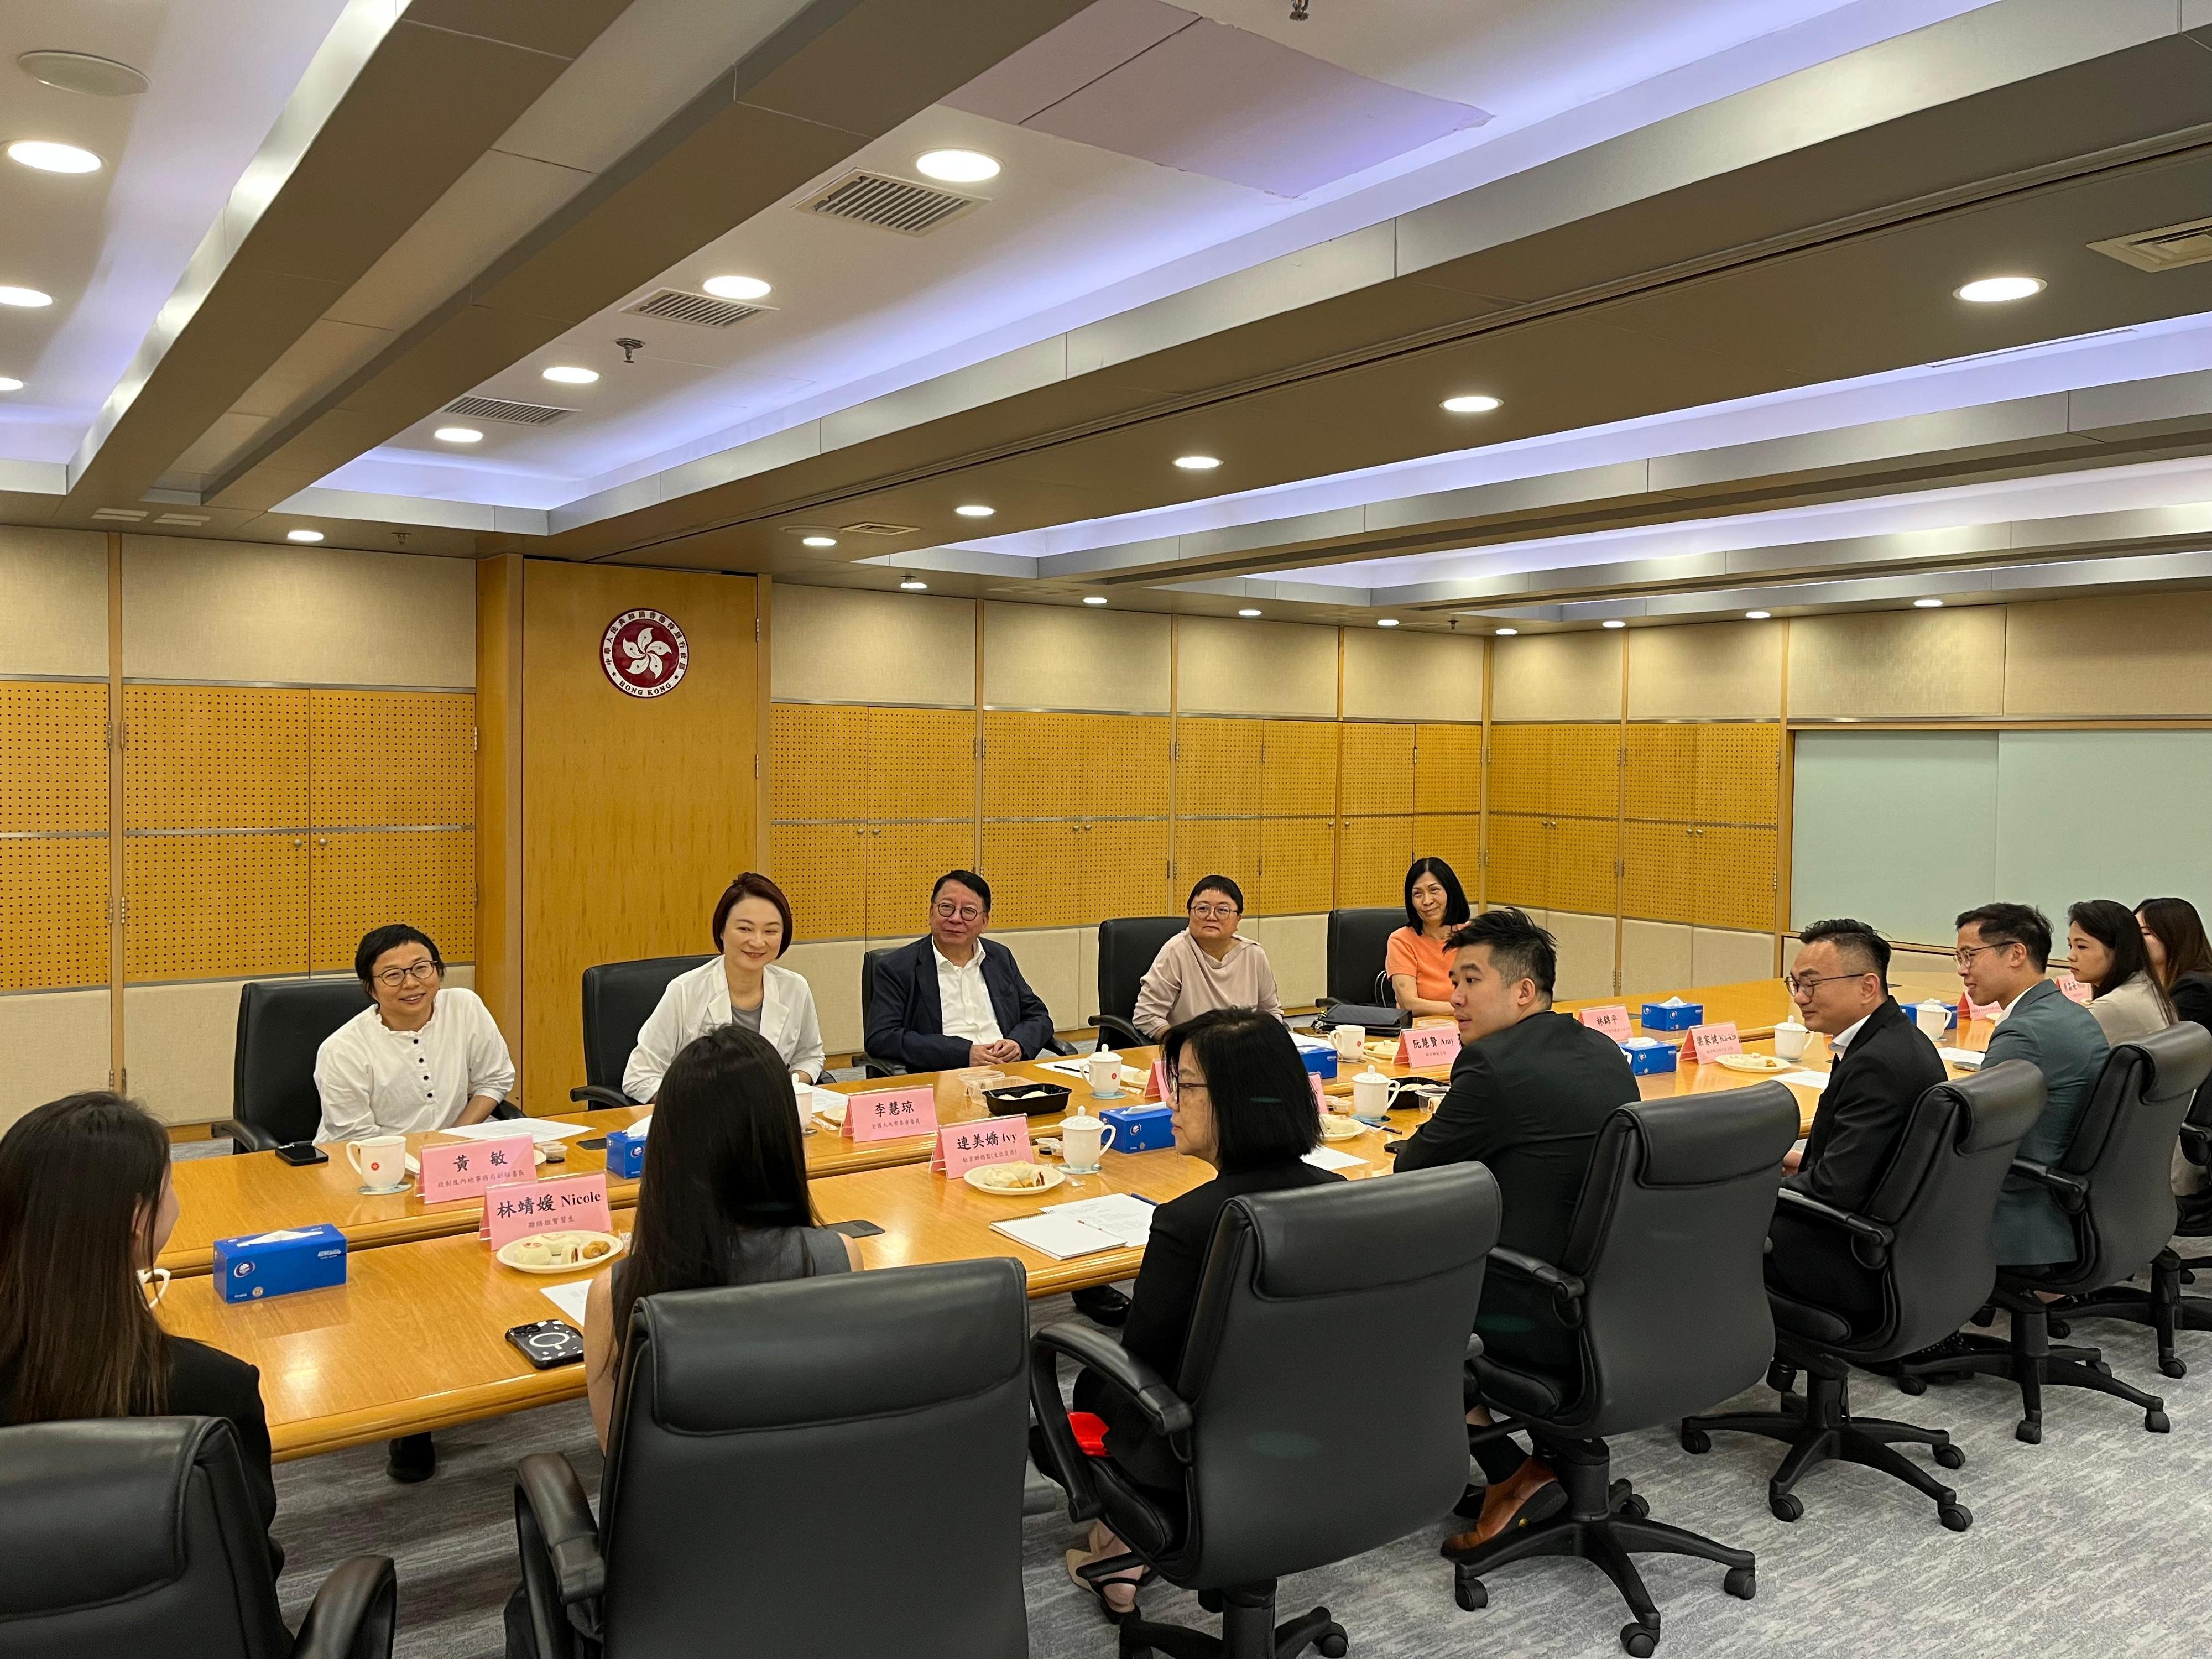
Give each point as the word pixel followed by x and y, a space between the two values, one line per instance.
pixel 674 305
pixel 868 528
pixel 876 198
pixel 502 409
pixel 2168 248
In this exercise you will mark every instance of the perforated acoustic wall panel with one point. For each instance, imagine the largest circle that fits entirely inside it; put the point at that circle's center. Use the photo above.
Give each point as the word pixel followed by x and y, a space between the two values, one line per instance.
pixel 1701 806
pixel 54 835
pixel 214 905
pixel 360 879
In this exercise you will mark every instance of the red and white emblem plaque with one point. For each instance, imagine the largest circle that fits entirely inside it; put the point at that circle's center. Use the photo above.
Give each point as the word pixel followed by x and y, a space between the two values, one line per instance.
pixel 644 654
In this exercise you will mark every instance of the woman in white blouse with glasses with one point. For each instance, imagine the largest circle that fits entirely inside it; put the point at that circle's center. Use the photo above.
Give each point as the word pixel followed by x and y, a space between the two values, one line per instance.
pixel 744 987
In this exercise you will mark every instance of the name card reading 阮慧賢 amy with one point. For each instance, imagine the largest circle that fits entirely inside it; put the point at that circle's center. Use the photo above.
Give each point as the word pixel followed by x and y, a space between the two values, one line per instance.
pixel 964 1146
pixel 1426 1046
pixel 1710 1042
pixel 1613 1021
pixel 577 1204
pixel 462 1169
pixel 890 1115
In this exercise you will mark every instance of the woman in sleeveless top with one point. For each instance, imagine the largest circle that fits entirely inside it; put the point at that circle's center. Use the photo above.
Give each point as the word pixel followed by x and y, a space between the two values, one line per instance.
pixel 723 1202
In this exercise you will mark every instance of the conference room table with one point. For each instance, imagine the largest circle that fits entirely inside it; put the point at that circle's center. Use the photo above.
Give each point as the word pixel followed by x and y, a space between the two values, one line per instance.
pixel 415 1339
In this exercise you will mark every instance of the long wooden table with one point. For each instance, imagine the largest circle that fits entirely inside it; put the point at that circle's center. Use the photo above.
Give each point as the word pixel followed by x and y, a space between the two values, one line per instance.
pixel 414 1340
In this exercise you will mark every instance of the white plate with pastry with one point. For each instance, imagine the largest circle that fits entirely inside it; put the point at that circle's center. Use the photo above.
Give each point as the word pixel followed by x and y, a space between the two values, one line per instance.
pixel 1337 1127
pixel 561 1253
pixel 1013 1180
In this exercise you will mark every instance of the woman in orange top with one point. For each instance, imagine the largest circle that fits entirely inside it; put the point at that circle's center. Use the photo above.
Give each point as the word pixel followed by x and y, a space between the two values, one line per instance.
pixel 1420 978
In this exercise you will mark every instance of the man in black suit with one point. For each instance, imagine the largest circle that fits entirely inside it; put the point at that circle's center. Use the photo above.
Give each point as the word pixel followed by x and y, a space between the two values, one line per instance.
pixel 955 999
pixel 1881 1066
pixel 1530 1091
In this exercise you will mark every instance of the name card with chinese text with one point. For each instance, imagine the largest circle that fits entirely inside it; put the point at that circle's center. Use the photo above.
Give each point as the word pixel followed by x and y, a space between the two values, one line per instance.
pixel 1710 1042
pixel 890 1115
pixel 577 1204
pixel 964 1146
pixel 1156 1081
pixel 462 1169
pixel 1429 1045
pixel 1613 1021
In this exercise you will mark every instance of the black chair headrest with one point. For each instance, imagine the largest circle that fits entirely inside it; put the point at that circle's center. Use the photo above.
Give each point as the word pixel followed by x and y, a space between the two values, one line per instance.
pixel 95 1509
pixel 2001 1104
pixel 1690 1140
pixel 1365 1236
pixel 830 1349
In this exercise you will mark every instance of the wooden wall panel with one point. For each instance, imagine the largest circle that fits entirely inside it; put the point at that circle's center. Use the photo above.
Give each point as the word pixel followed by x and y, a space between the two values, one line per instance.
pixel 1580 864
pixel 1397 675
pixel 1125 870
pixel 53 756
pixel 54 870
pixel 392 757
pixel 1713 672
pixel 1298 767
pixel 1214 847
pixel 1883 665
pixel 636 812
pixel 1297 866
pixel 921 763
pixel 1036 873
pixel 2134 654
pixel 818 761
pixel 214 906
pixel 54 912
pixel 1448 769
pixel 1519 777
pixel 1457 838
pixel 1735 878
pixel 904 861
pixel 1378 769
pixel 1372 856
pixel 362 879
pixel 1739 774
pixel 1582 772
pixel 1217 768
pixel 1518 851
pixel 1660 777
pixel 172 733
pixel 1556 677
pixel 823 869
pixel 1659 881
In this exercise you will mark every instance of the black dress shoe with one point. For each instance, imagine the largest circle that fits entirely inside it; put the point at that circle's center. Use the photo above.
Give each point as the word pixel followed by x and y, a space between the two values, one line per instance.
pixel 1102 1304
pixel 410 1458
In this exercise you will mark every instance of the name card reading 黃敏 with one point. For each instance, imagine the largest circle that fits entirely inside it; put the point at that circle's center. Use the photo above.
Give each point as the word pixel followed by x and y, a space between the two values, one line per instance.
pixel 1613 1021
pixel 577 1204
pixel 964 1146
pixel 890 1115
pixel 462 1169
pixel 1710 1042
pixel 1428 1045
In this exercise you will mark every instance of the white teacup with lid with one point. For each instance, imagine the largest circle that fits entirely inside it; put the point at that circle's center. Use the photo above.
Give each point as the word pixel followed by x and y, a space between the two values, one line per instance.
pixel 1370 1096
pixel 1790 1040
pixel 1083 1140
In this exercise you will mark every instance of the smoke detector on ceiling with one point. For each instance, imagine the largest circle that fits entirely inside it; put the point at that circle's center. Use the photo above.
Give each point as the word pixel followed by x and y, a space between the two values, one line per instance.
pixel 889 204
pixel 2168 248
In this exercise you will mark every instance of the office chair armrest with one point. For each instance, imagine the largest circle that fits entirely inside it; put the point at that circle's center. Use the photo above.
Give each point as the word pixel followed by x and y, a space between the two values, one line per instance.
pixel 247 1137
pixel 591 1094
pixel 1566 1289
pixel 549 1486
pixel 1053 1045
pixel 1870 1240
pixel 1123 1035
pixel 872 1067
pixel 2072 1193
pixel 505 1111
pixel 354 1613
pixel 2197 1144
pixel 1120 1369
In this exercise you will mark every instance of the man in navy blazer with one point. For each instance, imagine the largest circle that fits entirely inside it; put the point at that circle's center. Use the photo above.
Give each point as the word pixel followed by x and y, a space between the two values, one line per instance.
pixel 956 997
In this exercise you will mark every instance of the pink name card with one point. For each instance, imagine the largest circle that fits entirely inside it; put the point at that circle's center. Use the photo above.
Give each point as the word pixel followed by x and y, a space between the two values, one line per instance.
pixel 1613 1021
pixel 578 1204
pixel 1708 1042
pixel 892 1114
pixel 464 1169
pixel 2073 990
pixel 1156 1081
pixel 964 1146
pixel 1429 1045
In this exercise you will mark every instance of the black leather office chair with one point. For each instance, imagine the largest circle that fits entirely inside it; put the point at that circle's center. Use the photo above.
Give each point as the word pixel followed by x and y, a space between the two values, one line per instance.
pixel 136 1535
pixel 1661 1282
pixel 2165 1306
pixel 1357 942
pixel 1925 1234
pixel 2114 1182
pixel 1126 946
pixel 281 1023
pixel 1383 1277
pixel 619 997
pixel 769 1441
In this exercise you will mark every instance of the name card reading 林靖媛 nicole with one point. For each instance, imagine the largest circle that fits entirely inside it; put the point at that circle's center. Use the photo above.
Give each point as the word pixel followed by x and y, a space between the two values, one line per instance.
pixel 964 1146
pixel 579 1204
pixel 890 1115
pixel 1613 1021
pixel 1429 1045
pixel 462 1169
pixel 1710 1042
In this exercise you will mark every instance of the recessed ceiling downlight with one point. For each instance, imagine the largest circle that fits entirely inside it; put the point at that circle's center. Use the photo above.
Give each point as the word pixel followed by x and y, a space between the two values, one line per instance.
pixel 1198 462
pixel 1507 633
pixel 1473 402
pixel 957 167
pixel 1756 616
pixel 817 541
pixel 975 510
pixel 29 299
pixel 568 375
pixel 1386 622
pixel 80 71
pixel 1094 599
pixel 737 288
pixel 9 383
pixel 1250 610
pixel 1927 604
pixel 457 434
pixel 48 157
pixel 1997 290
pixel 303 535
pixel 1612 621
pixel 913 584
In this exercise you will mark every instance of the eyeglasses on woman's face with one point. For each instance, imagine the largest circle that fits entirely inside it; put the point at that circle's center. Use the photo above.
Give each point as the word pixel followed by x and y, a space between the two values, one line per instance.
pixel 1209 910
pixel 421 972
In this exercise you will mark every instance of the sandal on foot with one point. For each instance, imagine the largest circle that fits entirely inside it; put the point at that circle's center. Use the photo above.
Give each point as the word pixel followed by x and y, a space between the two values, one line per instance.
pixel 1079 1559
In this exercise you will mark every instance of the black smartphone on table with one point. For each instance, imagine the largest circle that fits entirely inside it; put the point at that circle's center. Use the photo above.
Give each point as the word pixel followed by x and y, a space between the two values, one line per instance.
pixel 548 1343
pixel 856 1229
pixel 303 1153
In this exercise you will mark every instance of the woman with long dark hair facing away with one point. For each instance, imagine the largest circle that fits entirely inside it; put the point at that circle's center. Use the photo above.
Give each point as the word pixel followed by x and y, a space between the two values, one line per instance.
pixel 86 1206
pixel 2106 945
pixel 2181 961
pixel 723 1201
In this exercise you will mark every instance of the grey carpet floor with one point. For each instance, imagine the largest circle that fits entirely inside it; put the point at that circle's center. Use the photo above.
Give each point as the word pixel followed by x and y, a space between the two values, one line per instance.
pixel 2093 1544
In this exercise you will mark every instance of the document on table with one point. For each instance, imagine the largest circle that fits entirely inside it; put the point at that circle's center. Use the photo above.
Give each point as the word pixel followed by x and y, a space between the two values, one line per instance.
pixel 539 1129
pixel 1966 1059
pixel 1327 1157
pixel 569 1299
pixel 1079 1067
pixel 1815 1081
pixel 1057 1236
pixel 1128 1220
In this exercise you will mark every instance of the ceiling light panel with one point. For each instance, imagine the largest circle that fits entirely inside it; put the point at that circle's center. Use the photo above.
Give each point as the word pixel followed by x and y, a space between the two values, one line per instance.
pixel 26 299
pixel 47 156
pixel 2000 290
pixel 957 167
pixel 737 288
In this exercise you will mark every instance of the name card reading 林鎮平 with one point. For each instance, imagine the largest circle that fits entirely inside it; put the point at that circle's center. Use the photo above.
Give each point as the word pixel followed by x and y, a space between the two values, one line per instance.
pixel 1613 1021
pixel 964 1146
pixel 458 1169
pixel 890 1115
pixel 1429 1045
pixel 1710 1042
pixel 578 1204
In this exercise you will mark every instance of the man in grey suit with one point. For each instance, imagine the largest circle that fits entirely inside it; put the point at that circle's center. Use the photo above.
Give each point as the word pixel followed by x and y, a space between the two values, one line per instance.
pixel 2003 950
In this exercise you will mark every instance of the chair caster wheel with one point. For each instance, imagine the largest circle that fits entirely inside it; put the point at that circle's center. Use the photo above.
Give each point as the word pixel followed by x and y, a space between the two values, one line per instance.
pixel 2060 1329
pixel 1639 1640
pixel 1787 1507
pixel 1635 1504
pixel 2156 1423
pixel 1951 1457
pixel 1211 1600
pixel 1469 1594
pixel 1741 1582
pixel 1780 1377
pixel 2028 1432
pixel 1331 1647
pixel 1984 1317
pixel 1696 1441
pixel 1957 1516
pixel 2174 1367
pixel 1913 1385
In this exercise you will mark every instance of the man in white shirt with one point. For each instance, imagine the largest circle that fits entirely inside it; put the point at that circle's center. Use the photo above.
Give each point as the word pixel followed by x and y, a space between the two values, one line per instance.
pixel 955 999
pixel 421 1058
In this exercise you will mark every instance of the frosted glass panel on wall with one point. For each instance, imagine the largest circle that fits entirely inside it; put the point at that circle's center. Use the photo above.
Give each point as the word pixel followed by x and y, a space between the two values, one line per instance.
pixel 2117 815
pixel 1899 829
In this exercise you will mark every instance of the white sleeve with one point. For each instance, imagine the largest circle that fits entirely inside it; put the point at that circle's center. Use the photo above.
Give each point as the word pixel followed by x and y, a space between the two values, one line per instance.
pixel 491 1069
pixel 659 1040
pixel 806 1053
pixel 348 1088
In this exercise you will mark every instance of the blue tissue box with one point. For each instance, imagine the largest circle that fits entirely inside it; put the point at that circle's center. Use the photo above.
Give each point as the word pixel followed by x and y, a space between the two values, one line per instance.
pixel 1649 1056
pixel 625 1154
pixel 1658 1016
pixel 254 1267
pixel 1321 1062
pixel 1139 1128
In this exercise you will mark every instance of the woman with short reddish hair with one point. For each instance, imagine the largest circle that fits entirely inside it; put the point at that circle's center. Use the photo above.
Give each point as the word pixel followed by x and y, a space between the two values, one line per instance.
pixel 743 988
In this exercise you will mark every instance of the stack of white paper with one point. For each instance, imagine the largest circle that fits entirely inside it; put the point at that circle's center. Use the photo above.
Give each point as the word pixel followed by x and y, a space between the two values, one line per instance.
pixel 1128 1220
pixel 570 1298
pixel 1327 1157
pixel 1057 1236
pixel 539 1129
pixel 1814 1080
pixel 1968 1059
pixel 1078 1067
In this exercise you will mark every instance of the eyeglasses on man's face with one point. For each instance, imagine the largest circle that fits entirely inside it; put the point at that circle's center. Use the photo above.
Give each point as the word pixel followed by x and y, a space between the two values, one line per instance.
pixel 393 978
pixel 1965 955
pixel 1214 912
pixel 946 910
pixel 1803 985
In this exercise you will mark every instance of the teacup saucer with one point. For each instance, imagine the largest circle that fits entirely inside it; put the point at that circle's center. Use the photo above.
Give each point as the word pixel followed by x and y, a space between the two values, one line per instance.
pixel 382 1191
